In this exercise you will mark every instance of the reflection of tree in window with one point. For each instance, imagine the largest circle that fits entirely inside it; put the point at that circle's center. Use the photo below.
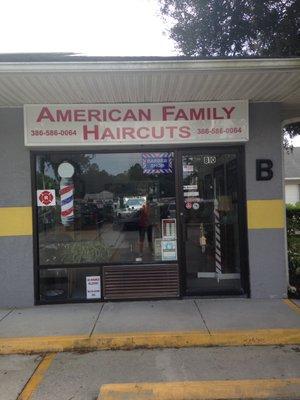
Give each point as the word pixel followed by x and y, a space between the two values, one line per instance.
pixel 104 229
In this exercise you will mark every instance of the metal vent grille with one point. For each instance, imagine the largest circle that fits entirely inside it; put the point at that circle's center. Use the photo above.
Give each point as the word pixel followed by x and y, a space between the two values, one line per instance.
pixel 140 281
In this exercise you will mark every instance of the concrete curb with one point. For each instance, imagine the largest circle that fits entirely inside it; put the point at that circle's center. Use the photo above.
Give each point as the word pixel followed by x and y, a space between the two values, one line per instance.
pixel 149 340
pixel 208 390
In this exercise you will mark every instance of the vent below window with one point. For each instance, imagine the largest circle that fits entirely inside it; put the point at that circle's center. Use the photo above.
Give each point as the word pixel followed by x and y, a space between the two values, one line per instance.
pixel 140 281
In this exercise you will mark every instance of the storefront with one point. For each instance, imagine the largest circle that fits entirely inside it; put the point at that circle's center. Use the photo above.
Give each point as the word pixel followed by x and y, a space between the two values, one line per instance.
pixel 163 219
pixel 142 200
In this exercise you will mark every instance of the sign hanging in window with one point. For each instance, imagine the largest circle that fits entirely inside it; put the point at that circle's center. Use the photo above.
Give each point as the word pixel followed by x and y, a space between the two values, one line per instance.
pixel 157 163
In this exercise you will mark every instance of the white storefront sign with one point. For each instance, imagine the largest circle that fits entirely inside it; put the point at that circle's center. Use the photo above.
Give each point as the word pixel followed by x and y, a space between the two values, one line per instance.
pixel 135 124
pixel 93 287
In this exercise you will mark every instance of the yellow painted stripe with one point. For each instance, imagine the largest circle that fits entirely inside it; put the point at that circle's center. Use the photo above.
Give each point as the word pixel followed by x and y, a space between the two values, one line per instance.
pixel 259 337
pixel 43 344
pixel 262 214
pixel 150 340
pixel 198 390
pixel 265 214
pixel 292 305
pixel 15 221
pixel 36 378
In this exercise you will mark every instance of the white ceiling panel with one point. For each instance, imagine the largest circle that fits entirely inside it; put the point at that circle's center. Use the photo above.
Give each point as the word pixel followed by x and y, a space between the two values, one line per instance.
pixel 164 81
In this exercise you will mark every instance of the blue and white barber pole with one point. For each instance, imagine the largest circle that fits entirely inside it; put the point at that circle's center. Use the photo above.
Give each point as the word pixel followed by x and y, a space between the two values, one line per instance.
pixel 66 171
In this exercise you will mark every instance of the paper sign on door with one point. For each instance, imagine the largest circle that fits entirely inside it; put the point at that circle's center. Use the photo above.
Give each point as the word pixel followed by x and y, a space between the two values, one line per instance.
pixel 93 287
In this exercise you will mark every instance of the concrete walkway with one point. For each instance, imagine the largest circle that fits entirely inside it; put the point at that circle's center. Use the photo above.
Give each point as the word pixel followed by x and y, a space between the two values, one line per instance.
pixel 169 323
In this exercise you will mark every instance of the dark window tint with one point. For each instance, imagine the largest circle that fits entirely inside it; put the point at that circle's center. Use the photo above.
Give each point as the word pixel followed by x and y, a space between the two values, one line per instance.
pixel 109 208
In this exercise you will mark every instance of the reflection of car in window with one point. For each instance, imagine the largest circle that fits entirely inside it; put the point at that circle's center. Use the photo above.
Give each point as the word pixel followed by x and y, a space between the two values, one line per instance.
pixel 134 204
pixel 131 222
pixel 128 221
pixel 128 215
pixel 131 204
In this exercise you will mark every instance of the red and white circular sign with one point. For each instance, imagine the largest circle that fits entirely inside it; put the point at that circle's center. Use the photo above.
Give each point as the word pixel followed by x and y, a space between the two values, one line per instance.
pixel 188 205
pixel 46 197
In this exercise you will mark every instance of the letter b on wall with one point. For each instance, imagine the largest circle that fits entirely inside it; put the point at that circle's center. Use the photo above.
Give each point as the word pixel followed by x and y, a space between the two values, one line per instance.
pixel 264 170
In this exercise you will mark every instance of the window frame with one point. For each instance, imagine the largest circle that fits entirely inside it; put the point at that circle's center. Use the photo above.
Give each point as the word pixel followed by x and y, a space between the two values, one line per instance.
pixel 39 266
pixel 239 148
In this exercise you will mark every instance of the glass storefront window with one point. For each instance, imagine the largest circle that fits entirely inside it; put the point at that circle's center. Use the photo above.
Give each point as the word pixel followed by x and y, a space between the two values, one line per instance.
pixel 69 284
pixel 107 208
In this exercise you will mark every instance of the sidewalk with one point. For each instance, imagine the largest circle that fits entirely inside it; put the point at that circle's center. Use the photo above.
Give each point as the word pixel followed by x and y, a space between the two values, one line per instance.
pixel 149 324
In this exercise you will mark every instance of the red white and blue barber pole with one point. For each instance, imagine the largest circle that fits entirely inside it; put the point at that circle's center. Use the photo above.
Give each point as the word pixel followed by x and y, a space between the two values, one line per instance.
pixel 66 191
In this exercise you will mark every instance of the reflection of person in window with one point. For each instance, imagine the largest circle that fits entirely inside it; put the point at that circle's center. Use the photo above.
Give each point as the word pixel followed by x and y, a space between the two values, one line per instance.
pixel 146 223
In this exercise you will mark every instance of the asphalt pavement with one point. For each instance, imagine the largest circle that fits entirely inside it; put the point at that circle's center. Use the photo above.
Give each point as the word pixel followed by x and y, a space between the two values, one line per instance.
pixel 79 376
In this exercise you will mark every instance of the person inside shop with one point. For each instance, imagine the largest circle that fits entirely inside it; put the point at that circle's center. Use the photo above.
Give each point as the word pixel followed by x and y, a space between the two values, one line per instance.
pixel 147 221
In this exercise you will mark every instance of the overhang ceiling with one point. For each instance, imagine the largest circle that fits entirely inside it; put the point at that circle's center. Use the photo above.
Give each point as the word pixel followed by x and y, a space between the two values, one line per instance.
pixel 151 80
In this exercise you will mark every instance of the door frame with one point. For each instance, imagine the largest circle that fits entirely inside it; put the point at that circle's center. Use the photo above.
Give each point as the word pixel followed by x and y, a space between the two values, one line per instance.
pixel 242 214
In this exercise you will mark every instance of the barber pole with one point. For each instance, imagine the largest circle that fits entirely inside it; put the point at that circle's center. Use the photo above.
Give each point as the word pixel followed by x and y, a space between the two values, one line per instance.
pixel 67 201
pixel 218 257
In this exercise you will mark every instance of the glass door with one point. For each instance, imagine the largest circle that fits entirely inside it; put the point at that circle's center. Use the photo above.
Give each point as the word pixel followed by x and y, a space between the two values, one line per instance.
pixel 211 221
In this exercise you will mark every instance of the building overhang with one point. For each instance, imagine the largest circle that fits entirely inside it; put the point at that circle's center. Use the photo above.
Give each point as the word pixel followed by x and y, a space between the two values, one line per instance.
pixel 135 80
